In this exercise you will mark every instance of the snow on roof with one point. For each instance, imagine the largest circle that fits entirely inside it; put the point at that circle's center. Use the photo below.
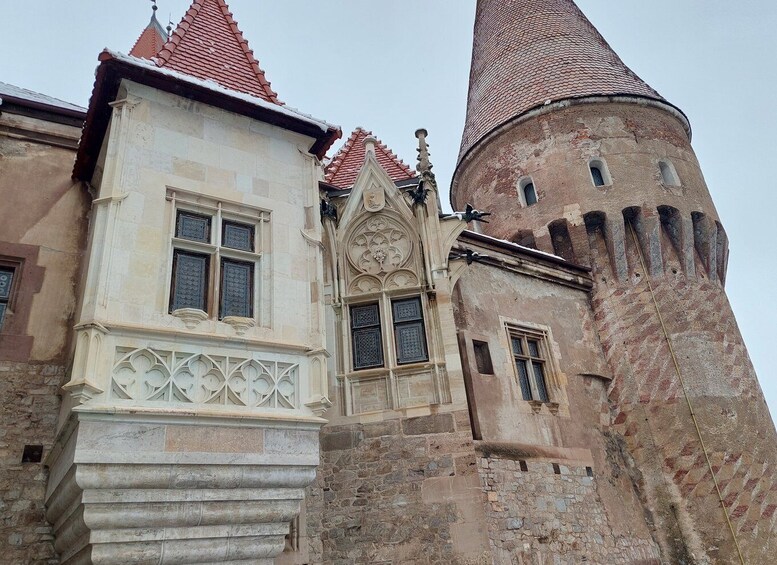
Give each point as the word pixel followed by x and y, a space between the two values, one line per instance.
pixel 506 243
pixel 217 88
pixel 18 93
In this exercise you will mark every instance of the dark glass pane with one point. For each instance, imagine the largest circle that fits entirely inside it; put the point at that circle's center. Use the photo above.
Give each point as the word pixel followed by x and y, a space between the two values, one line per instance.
pixel 596 174
pixel 237 283
pixel 411 343
pixel 517 345
pixel 406 310
pixel 6 280
pixel 190 280
pixel 367 348
pixel 2 313
pixel 365 316
pixel 534 348
pixel 530 194
pixel 523 379
pixel 238 236
pixel 539 380
pixel 193 227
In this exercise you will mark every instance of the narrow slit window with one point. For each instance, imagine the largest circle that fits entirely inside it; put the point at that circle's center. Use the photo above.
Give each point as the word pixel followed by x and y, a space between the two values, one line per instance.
pixel 366 336
pixel 530 194
pixel 668 174
pixel 483 357
pixel 409 332
pixel 597 176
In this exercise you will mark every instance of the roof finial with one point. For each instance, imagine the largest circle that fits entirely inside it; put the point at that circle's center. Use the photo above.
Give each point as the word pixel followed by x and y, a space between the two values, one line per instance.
pixel 369 145
pixel 154 7
pixel 424 165
pixel 169 27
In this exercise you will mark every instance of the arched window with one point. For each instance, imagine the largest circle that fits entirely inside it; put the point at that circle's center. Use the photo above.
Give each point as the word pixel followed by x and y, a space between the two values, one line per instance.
pixel 529 194
pixel 527 191
pixel 668 174
pixel 600 176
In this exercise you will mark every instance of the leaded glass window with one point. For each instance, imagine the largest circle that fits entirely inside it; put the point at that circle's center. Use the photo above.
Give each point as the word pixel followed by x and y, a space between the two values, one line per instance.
pixel 409 331
pixel 237 284
pixel 6 283
pixel 237 236
pixel 194 227
pixel 366 336
pixel 190 280
pixel 530 364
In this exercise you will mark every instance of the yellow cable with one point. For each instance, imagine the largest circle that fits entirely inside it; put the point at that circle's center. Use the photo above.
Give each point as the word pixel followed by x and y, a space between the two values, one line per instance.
pixel 685 392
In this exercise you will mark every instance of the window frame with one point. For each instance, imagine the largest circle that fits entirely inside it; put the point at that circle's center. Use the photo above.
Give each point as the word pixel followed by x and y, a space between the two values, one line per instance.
pixel 543 358
pixel 8 301
pixel 220 215
pixel 388 325
pixel 523 183
pixel 601 165
pixel 667 169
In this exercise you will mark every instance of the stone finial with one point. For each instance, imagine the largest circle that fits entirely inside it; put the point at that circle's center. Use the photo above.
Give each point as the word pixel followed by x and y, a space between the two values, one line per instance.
pixel 424 165
pixel 369 145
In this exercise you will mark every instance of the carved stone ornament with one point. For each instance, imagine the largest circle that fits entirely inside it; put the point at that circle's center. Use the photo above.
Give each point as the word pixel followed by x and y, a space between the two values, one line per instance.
pixel 379 245
pixel 374 198
pixel 178 377
pixel 240 324
pixel 191 316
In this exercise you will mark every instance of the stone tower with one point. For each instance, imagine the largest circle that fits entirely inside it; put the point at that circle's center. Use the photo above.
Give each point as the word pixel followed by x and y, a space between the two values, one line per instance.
pixel 577 156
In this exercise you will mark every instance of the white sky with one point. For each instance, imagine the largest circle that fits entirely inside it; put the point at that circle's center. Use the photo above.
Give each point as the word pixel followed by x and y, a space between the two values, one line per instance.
pixel 395 66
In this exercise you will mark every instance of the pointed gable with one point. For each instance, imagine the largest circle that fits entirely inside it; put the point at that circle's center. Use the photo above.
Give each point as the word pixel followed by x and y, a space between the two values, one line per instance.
pixel 151 40
pixel 348 161
pixel 208 45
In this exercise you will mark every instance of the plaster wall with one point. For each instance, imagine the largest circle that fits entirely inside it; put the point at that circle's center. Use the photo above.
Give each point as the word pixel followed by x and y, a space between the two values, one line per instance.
pixel 43 230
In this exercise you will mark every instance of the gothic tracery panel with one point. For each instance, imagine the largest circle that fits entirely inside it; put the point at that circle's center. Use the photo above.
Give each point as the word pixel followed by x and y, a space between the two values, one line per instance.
pixel 379 245
pixel 154 375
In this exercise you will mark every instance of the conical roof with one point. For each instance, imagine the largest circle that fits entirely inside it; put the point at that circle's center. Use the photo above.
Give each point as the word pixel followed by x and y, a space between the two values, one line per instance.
pixel 529 52
pixel 151 41
pixel 345 166
pixel 208 45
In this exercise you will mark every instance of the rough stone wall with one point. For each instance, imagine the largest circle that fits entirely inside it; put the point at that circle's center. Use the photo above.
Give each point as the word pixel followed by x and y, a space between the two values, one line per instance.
pixel 552 514
pixel 29 406
pixel 398 492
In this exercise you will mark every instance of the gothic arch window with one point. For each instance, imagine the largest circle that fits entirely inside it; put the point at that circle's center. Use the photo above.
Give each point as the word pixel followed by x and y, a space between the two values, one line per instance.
pixel 600 174
pixel 527 191
pixel 668 173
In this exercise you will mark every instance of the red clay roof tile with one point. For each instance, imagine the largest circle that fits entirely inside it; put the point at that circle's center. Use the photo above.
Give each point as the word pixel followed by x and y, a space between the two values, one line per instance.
pixel 345 166
pixel 150 41
pixel 528 52
pixel 207 44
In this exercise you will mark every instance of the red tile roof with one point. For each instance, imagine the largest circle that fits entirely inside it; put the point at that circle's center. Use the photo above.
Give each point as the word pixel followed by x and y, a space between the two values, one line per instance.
pixel 207 44
pixel 150 41
pixel 344 167
pixel 528 52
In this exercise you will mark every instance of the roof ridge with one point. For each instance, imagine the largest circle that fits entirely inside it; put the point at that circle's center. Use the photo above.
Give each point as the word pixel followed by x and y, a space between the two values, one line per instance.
pixel 168 51
pixel 155 44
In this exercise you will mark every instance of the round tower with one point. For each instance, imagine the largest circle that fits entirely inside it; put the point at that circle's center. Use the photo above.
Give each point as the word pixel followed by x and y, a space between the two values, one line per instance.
pixel 577 156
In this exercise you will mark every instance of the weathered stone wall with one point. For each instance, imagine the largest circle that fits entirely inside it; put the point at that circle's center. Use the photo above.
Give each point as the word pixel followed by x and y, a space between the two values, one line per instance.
pixel 29 406
pixel 42 235
pixel 553 514
pixel 400 491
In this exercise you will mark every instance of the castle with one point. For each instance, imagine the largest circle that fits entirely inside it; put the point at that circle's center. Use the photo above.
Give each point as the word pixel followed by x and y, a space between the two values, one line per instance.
pixel 219 345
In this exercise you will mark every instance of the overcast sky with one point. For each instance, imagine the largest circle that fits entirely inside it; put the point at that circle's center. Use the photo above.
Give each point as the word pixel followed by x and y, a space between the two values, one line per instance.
pixel 395 66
